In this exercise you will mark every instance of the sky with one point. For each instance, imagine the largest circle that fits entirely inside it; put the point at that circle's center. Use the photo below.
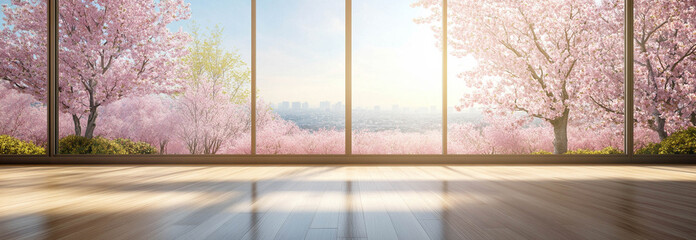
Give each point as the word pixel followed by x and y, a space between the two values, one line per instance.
pixel 2 16
pixel 301 50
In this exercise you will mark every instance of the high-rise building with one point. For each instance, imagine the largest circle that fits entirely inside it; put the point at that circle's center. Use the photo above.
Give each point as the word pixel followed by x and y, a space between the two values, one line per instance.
pixel 376 108
pixel 296 106
pixel 305 105
pixel 395 107
pixel 285 105
pixel 338 107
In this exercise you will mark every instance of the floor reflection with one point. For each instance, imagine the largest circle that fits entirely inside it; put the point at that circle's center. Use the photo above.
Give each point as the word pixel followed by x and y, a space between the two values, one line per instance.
pixel 254 216
pixel 349 220
pixel 445 229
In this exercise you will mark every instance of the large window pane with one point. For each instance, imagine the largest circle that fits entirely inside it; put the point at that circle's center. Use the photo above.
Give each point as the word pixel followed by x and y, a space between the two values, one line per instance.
pixel 301 80
pixel 535 77
pixel 23 80
pixel 147 77
pixel 665 76
pixel 397 77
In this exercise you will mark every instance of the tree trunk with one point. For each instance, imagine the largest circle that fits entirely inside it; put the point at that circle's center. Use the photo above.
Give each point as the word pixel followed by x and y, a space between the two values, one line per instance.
pixel 693 119
pixel 91 122
pixel 163 146
pixel 76 123
pixel 659 127
pixel 560 133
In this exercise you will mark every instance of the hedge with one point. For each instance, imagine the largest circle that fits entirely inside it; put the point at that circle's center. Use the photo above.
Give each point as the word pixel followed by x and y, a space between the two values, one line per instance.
pixel 14 146
pixel 98 145
pixel 680 142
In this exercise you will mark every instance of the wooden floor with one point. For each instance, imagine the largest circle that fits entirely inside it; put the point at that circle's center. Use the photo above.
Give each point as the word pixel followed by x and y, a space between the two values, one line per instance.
pixel 348 202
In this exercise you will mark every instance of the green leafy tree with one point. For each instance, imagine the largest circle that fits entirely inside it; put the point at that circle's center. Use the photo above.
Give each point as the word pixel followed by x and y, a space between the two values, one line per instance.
pixel 213 110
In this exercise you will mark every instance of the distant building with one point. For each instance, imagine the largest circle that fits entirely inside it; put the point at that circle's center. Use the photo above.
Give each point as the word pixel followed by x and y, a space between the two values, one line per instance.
pixel 433 109
pixel 376 108
pixel 305 105
pixel 325 105
pixel 296 106
pixel 338 107
pixel 285 105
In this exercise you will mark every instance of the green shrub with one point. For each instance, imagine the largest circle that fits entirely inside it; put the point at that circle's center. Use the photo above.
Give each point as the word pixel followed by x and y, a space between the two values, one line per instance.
pixel 82 145
pixel 135 147
pixel 652 148
pixel 74 145
pixel 13 146
pixel 606 150
pixel 681 142
pixel 98 145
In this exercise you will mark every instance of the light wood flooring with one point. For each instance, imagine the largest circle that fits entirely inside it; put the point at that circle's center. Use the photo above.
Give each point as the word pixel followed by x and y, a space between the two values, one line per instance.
pixel 347 202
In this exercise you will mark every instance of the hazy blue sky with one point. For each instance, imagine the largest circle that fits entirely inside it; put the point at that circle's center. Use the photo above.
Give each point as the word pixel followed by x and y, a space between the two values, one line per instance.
pixel 301 50
pixel 2 16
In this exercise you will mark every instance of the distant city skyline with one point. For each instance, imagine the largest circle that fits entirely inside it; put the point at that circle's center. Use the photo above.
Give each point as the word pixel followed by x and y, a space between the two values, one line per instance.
pixel 339 106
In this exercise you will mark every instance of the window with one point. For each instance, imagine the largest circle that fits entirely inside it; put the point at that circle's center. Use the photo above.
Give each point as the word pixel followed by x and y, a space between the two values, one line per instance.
pixel 177 85
pixel 397 77
pixel 524 79
pixel 664 72
pixel 175 77
pixel 301 76
pixel 23 83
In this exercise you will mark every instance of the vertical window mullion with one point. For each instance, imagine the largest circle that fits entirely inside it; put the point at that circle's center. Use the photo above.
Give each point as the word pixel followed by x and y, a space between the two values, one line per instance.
pixel 52 98
pixel 628 79
pixel 349 84
pixel 444 77
pixel 253 77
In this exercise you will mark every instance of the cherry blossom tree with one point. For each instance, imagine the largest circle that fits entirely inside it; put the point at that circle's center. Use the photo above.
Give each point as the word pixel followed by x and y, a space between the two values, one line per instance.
pixel 665 62
pixel 23 117
pixel 108 50
pixel 397 142
pixel 499 135
pixel 528 55
pixel 208 119
pixel 23 49
pixel 148 119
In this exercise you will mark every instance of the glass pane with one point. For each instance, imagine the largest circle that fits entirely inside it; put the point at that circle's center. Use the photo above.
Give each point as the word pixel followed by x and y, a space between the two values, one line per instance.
pixel 301 77
pixel 397 77
pixel 665 77
pixel 23 80
pixel 534 78
pixel 177 85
